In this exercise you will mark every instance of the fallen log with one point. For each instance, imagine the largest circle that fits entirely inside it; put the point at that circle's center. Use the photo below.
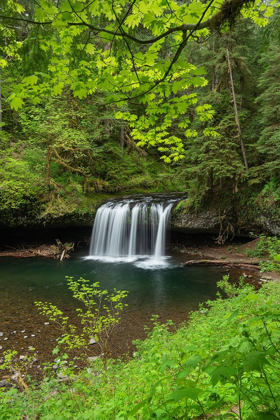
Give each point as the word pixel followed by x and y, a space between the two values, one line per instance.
pixel 241 264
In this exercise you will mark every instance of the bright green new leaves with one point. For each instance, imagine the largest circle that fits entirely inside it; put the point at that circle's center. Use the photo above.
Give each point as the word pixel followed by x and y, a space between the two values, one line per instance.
pixel 16 102
pixel 224 364
pixel 130 52
pixel 99 313
pixel 165 109
pixel 261 13
pixel 9 44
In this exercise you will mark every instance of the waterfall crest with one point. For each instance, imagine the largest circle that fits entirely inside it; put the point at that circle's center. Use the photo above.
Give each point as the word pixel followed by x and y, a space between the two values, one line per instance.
pixel 131 228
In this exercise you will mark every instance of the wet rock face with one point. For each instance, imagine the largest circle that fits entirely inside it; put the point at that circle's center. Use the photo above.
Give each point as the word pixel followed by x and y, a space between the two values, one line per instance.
pixel 201 222
pixel 209 221
pixel 272 227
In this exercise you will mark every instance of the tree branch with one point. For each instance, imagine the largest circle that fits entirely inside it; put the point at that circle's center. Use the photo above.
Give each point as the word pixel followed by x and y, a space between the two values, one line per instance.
pixel 228 12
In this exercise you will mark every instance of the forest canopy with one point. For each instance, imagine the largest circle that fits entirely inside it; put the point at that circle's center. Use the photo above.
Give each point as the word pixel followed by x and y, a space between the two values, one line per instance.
pixel 132 51
pixel 91 86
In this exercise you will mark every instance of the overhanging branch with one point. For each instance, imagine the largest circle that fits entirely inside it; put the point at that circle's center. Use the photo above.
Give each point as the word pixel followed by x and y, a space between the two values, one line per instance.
pixel 228 12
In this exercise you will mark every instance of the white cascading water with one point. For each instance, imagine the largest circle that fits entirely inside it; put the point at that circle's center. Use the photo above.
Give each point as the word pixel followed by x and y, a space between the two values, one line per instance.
pixel 133 231
pixel 130 229
pixel 163 215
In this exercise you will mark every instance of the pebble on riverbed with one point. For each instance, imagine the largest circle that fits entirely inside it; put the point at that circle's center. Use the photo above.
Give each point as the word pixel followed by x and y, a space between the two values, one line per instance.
pixel 93 358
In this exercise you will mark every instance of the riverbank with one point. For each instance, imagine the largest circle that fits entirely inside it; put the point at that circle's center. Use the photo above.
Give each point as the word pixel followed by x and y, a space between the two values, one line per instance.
pixel 172 371
pixel 204 252
pixel 227 255
pixel 171 292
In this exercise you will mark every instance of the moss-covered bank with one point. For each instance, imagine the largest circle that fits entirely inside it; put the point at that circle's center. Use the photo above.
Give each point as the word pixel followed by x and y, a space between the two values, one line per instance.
pixel 246 213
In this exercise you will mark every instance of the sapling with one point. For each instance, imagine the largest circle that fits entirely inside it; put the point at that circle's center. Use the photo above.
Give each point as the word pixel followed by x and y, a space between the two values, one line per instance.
pixel 99 314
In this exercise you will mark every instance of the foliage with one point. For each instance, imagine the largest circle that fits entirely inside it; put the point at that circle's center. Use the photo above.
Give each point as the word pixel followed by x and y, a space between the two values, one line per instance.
pixel 18 366
pixel 19 187
pixel 99 314
pixel 85 87
pixel 223 364
pixel 63 155
pixel 269 247
pixel 125 64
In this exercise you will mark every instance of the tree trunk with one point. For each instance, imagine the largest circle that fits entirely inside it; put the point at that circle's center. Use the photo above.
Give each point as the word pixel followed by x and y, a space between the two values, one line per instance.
pixel 213 70
pixel 0 105
pixel 236 114
pixel 122 135
pixel 48 178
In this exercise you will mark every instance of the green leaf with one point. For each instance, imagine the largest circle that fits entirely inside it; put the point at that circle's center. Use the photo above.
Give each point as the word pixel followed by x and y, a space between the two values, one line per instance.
pixel 58 88
pixel 30 80
pixel 58 24
pixel 16 103
pixel 198 81
pixel 36 100
pixel 90 49
pixel 139 406
pixel 221 373
pixel 40 14
pixel 255 361
pixel 181 393
pixel 199 72
pixel 193 361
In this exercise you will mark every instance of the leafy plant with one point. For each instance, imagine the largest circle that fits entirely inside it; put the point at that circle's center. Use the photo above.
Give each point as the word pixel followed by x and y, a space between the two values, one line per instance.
pixel 270 247
pixel 222 364
pixel 17 366
pixel 99 314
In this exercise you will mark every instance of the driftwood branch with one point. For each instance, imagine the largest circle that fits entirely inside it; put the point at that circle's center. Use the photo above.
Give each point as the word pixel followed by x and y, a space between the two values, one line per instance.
pixel 62 251
pixel 235 263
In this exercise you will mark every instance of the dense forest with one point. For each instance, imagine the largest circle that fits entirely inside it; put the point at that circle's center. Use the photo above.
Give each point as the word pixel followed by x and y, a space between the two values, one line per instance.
pixel 87 114
pixel 105 98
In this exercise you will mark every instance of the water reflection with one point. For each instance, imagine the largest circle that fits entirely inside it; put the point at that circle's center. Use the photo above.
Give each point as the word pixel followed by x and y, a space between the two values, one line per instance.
pixel 171 292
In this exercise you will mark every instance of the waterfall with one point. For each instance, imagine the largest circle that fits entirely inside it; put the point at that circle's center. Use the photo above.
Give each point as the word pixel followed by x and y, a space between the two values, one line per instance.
pixel 163 215
pixel 131 228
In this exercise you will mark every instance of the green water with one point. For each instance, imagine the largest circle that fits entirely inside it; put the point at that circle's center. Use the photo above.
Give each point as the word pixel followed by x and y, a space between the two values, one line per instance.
pixel 169 291
pixel 44 279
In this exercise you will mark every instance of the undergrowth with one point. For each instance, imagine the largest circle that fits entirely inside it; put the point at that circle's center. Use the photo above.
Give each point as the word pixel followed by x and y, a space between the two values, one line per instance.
pixel 268 247
pixel 223 364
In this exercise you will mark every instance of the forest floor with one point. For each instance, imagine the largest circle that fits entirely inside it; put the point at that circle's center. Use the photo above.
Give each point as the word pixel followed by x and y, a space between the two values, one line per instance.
pixel 225 255
pixel 48 251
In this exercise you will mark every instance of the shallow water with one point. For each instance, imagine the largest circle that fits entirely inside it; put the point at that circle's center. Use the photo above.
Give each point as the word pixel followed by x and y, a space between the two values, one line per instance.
pixel 151 283
pixel 165 289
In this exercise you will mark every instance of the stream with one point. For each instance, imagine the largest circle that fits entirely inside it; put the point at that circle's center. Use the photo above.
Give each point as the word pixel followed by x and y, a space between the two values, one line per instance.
pixel 168 291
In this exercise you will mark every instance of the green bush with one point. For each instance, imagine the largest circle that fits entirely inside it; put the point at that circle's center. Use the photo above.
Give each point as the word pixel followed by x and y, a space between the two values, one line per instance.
pixel 269 247
pixel 223 364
